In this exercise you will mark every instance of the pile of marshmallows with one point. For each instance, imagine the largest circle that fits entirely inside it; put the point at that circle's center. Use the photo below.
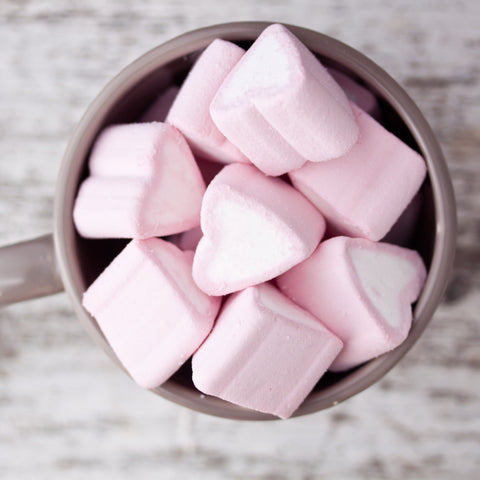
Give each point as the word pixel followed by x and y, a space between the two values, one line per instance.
pixel 244 284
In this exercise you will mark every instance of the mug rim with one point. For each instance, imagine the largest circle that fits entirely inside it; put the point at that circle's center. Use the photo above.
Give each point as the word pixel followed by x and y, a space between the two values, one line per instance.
pixel 328 47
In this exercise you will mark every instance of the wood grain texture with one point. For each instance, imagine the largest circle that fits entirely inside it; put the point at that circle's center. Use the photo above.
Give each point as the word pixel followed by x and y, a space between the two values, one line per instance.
pixel 67 412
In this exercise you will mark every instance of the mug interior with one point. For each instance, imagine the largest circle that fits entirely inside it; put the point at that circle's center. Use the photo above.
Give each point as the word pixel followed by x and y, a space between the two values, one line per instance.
pixel 128 96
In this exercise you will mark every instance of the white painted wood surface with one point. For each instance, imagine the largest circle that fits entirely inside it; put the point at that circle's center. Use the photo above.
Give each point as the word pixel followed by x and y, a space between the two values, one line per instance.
pixel 67 412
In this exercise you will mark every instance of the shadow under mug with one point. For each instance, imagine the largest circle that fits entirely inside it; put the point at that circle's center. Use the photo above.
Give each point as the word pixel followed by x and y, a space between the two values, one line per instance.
pixel 65 261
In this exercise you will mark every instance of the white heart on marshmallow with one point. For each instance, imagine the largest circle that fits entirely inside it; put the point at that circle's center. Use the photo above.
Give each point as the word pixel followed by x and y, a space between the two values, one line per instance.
pixel 362 291
pixel 281 107
pixel 255 228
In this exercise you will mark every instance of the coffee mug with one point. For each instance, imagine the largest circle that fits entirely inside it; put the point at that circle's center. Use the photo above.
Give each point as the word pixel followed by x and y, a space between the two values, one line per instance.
pixel 65 261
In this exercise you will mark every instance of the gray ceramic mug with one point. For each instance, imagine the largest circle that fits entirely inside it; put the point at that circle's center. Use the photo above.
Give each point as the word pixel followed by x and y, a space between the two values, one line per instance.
pixel 66 261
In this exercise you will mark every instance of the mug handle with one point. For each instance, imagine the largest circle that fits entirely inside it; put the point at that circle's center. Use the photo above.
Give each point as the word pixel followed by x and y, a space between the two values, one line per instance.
pixel 28 270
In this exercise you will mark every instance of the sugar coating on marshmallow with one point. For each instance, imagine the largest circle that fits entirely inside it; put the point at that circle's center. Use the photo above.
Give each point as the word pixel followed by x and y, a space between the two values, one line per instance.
pixel 143 182
pixel 158 110
pixel 254 228
pixel 364 192
pixel 265 352
pixel 190 110
pixel 357 93
pixel 150 310
pixel 362 291
pixel 280 106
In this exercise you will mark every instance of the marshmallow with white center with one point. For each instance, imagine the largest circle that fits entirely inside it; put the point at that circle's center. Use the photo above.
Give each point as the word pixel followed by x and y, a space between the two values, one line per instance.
pixel 362 291
pixel 254 228
pixel 150 310
pixel 357 93
pixel 190 110
pixel 264 353
pixel 364 192
pixel 143 183
pixel 159 109
pixel 281 107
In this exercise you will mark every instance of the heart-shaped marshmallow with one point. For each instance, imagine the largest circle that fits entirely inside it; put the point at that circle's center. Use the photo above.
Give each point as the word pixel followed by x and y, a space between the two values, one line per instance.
pixel 255 228
pixel 150 310
pixel 362 291
pixel 364 192
pixel 144 183
pixel 281 107
pixel 265 352
pixel 190 110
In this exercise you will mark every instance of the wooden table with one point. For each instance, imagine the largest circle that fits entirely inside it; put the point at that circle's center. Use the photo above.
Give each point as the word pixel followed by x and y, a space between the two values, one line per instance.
pixel 67 412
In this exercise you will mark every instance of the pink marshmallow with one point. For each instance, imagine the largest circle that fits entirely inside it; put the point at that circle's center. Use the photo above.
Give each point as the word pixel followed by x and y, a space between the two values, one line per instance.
pixel 144 183
pixel 362 291
pixel 265 352
pixel 281 107
pixel 364 192
pixel 159 109
pixel 255 228
pixel 357 93
pixel 150 310
pixel 190 110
